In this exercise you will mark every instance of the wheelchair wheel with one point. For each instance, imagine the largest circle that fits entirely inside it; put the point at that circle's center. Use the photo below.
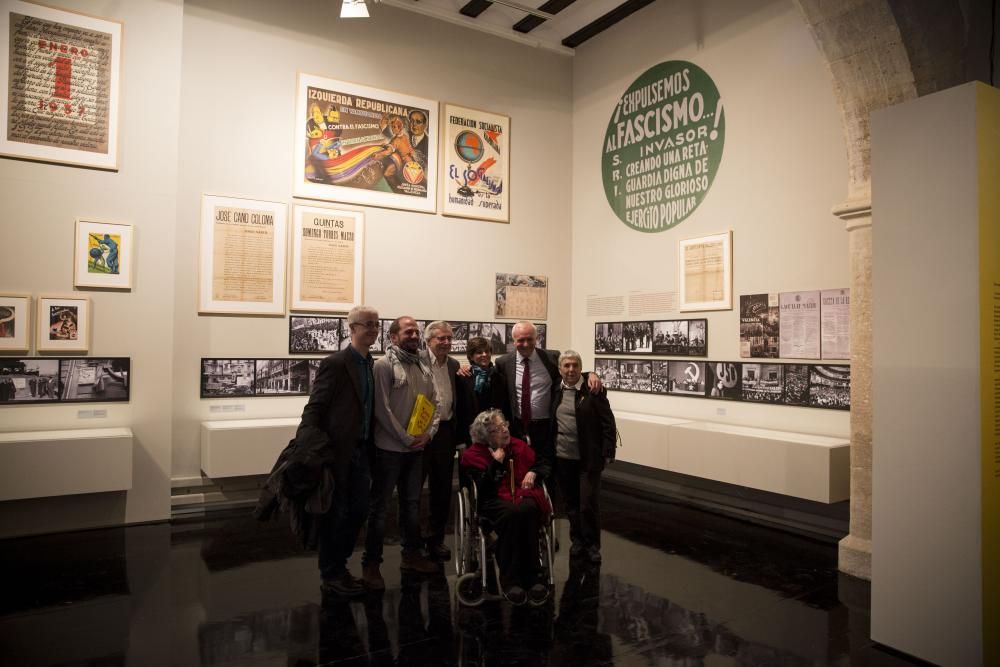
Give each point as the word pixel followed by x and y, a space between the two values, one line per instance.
pixel 469 589
pixel 465 535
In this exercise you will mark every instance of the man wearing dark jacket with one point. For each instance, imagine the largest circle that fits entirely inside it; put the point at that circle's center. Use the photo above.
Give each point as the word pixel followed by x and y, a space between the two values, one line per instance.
pixel 340 408
pixel 584 433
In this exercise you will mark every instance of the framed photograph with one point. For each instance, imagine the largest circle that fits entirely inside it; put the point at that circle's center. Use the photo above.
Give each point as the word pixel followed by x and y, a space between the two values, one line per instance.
pixel 225 378
pixel 475 164
pixel 103 254
pixel 521 297
pixel 635 375
pixel 63 324
pixel 724 380
pixel 830 387
pixel 29 380
pixel 706 273
pixel 328 259
pixel 311 334
pixel 242 263
pixel 796 384
pixel 361 145
pixel 15 322
pixel 95 380
pixel 607 370
pixel 762 383
pixel 687 377
pixel 281 377
pixel 60 92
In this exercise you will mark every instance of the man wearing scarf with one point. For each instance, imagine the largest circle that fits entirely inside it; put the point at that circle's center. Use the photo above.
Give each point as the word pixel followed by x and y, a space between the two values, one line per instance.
pixel 400 376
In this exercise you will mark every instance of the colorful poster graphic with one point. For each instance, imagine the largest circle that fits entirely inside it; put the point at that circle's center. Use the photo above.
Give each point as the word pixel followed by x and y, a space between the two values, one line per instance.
pixel 663 146
pixel 364 145
pixel 476 164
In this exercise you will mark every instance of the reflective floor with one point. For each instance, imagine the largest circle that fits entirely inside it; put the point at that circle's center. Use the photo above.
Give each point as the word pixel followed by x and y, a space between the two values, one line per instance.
pixel 677 587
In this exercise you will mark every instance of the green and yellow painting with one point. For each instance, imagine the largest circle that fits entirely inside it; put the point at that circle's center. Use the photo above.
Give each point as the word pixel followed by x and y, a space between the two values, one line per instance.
pixel 102 252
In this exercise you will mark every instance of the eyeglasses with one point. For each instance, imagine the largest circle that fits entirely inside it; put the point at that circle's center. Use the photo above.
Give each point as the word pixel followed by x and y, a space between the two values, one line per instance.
pixel 416 121
pixel 443 339
pixel 372 324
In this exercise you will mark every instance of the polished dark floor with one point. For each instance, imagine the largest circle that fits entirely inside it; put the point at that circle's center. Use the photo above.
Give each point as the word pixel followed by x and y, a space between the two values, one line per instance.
pixel 677 587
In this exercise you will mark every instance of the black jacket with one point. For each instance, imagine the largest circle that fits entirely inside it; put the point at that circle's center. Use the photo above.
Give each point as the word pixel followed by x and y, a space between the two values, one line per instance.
pixel 595 425
pixel 507 366
pixel 468 403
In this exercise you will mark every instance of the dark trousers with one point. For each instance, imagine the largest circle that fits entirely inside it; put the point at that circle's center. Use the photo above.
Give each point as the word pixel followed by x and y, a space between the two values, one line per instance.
pixel 580 492
pixel 339 528
pixel 517 552
pixel 539 432
pixel 400 471
pixel 439 469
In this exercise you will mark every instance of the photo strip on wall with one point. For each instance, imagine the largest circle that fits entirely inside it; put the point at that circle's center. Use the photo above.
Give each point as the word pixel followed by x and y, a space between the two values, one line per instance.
pixel 685 338
pixel 25 380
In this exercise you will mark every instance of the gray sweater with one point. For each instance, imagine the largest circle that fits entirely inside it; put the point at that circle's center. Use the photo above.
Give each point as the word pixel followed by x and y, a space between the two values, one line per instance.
pixel 394 405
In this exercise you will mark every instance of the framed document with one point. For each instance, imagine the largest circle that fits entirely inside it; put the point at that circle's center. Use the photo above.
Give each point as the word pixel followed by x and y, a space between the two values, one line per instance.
pixel 363 145
pixel 103 254
pixel 327 259
pixel 521 297
pixel 835 323
pixel 63 324
pixel 706 273
pixel 242 262
pixel 476 164
pixel 60 87
pixel 15 322
pixel 800 325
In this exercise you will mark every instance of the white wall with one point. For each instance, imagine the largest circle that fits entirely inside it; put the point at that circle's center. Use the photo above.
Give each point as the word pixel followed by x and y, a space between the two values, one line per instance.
pixel 783 168
pixel 38 206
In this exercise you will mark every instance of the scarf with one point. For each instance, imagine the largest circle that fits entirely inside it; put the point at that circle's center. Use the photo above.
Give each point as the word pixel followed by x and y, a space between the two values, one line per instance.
pixel 397 357
pixel 483 376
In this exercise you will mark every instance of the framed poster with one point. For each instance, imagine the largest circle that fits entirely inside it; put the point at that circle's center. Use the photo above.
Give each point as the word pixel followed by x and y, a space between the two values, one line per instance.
pixel 800 325
pixel 242 263
pixel 362 145
pixel 835 323
pixel 102 255
pixel 328 259
pixel 759 325
pixel 61 78
pixel 63 324
pixel 706 273
pixel 476 164
pixel 521 297
pixel 15 321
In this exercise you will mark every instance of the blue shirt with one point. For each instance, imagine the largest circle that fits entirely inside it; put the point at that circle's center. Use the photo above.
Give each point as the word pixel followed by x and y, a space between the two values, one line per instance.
pixel 367 390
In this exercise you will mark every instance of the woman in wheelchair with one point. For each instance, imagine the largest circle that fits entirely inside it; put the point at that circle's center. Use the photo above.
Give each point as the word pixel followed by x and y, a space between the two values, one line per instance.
pixel 508 478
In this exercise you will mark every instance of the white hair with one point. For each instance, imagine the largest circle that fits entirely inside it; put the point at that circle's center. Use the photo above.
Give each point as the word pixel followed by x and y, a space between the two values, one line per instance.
pixel 436 325
pixel 359 313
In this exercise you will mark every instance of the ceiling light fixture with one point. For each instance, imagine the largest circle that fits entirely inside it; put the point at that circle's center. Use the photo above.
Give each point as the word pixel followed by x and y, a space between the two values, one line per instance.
pixel 353 9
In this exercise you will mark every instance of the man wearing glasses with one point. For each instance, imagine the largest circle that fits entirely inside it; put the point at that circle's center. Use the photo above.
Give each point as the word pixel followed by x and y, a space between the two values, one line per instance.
pixel 418 134
pixel 439 455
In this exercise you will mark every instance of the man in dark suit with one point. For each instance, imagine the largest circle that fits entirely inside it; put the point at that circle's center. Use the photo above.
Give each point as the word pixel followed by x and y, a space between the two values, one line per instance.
pixel 439 455
pixel 340 408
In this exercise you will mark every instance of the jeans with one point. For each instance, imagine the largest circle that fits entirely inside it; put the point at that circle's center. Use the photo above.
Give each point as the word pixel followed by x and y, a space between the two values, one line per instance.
pixel 402 471
pixel 339 528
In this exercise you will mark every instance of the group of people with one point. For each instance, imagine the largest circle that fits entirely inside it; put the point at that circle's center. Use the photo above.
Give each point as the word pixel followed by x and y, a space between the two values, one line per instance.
pixel 532 416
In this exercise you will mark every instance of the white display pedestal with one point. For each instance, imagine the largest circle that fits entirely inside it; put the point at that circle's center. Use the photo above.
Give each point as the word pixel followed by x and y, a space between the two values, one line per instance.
pixel 936 324
pixel 241 447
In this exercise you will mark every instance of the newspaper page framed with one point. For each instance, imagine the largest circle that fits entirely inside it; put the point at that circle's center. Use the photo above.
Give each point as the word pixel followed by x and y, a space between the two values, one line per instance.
pixel 520 296
pixel 328 256
pixel 102 255
pixel 15 322
pixel 800 325
pixel 475 158
pixel 61 86
pixel 835 323
pixel 705 265
pixel 361 145
pixel 241 269
pixel 63 324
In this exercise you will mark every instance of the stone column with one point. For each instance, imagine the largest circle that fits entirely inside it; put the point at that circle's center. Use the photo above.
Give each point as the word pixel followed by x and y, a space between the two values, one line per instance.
pixel 855 552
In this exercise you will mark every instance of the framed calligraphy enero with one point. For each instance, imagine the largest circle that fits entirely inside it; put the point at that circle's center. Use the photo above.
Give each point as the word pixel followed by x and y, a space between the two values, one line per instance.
pixel 60 89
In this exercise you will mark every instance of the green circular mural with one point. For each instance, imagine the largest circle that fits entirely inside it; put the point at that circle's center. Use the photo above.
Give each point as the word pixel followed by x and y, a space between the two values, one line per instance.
pixel 663 146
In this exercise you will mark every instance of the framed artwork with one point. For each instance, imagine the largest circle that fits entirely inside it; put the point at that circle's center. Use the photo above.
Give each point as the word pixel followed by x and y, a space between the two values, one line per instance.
pixel 15 322
pixel 63 324
pixel 103 254
pixel 475 164
pixel 61 79
pixel 363 145
pixel 242 262
pixel 313 334
pixel 229 378
pixel 521 297
pixel 706 273
pixel 328 259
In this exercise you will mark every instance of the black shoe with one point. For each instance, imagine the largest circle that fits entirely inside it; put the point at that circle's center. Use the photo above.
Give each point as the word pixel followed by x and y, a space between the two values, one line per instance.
pixel 577 550
pixel 516 595
pixel 439 552
pixel 538 594
pixel 343 585
pixel 594 555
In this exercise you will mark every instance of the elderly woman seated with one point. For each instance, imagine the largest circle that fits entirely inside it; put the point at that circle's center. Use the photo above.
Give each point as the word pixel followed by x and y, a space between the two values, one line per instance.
pixel 508 477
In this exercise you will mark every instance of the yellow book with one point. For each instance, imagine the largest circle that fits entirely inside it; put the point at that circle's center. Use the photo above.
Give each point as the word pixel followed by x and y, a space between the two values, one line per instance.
pixel 421 417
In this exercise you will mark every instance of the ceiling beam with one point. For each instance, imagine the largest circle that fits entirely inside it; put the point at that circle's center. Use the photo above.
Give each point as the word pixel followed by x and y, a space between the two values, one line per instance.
pixel 529 23
pixel 598 26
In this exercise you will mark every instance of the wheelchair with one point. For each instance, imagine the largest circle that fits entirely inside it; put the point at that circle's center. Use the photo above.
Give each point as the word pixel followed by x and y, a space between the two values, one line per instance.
pixel 474 559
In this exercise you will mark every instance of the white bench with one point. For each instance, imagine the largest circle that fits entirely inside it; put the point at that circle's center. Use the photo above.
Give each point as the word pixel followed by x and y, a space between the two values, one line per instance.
pixel 40 464
pixel 813 467
pixel 242 447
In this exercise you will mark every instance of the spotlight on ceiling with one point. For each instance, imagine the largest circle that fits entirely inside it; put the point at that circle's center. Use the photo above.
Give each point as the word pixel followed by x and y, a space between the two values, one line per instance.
pixel 353 9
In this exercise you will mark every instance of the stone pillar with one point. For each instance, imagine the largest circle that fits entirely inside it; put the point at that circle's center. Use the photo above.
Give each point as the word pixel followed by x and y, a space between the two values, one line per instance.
pixel 855 552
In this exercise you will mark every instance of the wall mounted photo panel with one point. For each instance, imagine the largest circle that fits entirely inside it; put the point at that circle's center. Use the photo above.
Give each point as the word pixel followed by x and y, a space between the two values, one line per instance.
pixel 796 384
pixel 103 254
pixel 475 164
pixel 521 297
pixel 607 369
pixel 830 387
pixel 362 145
pixel 29 380
pixel 242 263
pixel 762 383
pixel 15 322
pixel 313 333
pixel 63 324
pixel 706 272
pixel 724 380
pixel 281 377
pixel 688 338
pixel 687 377
pixel 635 375
pixel 661 377
pixel 60 90
pixel 227 377
pixel 460 337
pixel 65 380
pixel 328 259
